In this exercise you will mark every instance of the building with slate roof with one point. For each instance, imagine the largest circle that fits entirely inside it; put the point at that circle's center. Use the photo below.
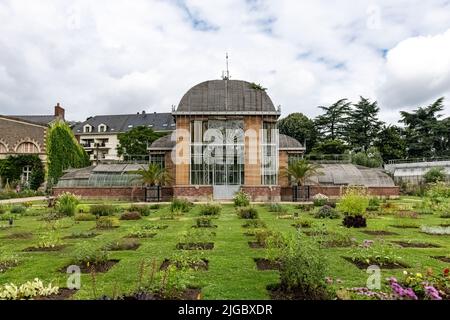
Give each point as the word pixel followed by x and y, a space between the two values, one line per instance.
pixel 98 134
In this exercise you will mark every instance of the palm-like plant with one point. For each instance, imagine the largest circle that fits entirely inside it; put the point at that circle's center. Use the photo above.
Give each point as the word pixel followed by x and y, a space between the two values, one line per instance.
pixel 153 175
pixel 301 170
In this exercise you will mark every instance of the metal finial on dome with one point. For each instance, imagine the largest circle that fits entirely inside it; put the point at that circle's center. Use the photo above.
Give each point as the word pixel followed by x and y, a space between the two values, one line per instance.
pixel 226 74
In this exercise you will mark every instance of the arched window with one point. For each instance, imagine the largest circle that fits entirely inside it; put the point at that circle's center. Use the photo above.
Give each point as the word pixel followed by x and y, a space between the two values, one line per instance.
pixel 27 147
pixel 3 148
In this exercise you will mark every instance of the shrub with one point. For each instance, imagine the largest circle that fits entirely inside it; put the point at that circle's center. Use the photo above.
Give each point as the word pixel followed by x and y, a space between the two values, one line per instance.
pixel 320 200
pixel 18 209
pixel 84 217
pixel 248 213
pixel 2 209
pixel 303 268
pixel 354 222
pixel 142 209
pixel 303 223
pixel 123 244
pixel 28 290
pixel 141 232
pixel 263 236
pixel 374 202
pixel 197 235
pixel 373 208
pixel 354 202
pixel 210 209
pixel 255 223
pixel 204 222
pixel 180 205
pixel 66 203
pixel 130 216
pixel 107 223
pixel 276 207
pixel 102 210
pixel 305 207
pixel 435 175
pixel 326 212
pixel 27 204
pixel 48 240
pixel 83 208
pixel 83 234
pixel 241 199
pixel 375 252
pixel 8 261
pixel 87 254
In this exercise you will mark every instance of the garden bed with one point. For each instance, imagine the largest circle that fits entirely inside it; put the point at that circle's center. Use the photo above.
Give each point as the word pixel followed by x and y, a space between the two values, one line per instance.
pixel 443 259
pixel 406 244
pixel 63 294
pixel 18 236
pixel 46 249
pixel 266 264
pixel 203 265
pixel 146 236
pixel 363 265
pixel 196 246
pixel 188 294
pixel 277 292
pixel 97 267
pixel 7 265
pixel 379 233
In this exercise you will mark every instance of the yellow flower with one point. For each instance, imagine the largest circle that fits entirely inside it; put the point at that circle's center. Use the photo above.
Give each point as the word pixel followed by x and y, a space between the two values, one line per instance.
pixel 418 275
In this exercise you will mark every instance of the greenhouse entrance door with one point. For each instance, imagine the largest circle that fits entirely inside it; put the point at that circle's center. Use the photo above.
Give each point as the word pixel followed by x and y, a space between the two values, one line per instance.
pixel 227 177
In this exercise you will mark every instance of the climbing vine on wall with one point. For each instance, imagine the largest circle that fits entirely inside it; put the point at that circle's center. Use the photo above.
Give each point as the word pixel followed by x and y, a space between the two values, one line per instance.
pixel 63 151
pixel 11 169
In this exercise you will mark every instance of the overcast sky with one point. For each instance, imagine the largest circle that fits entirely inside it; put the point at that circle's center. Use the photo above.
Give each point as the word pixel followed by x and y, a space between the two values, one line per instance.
pixel 106 57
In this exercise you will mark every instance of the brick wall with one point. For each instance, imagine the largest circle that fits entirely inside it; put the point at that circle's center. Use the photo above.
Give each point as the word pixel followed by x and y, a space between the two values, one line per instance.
pixel 337 191
pixel 193 193
pixel 263 193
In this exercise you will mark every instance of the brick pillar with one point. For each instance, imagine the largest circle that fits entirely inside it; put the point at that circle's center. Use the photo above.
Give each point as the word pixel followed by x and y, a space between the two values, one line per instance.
pixel 252 151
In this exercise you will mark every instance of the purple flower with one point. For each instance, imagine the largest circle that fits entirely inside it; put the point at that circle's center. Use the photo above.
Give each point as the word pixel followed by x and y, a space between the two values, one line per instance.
pixel 432 293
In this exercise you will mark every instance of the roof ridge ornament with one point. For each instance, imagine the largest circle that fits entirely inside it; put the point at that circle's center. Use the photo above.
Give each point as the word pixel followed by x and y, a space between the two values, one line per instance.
pixel 226 74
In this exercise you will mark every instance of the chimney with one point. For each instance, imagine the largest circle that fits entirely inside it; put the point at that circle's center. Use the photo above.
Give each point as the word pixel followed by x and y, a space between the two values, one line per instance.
pixel 59 112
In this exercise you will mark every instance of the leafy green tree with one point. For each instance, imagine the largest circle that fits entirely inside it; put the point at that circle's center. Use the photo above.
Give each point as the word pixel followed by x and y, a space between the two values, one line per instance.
pixel 301 170
pixel 330 147
pixel 136 141
pixel 300 127
pixel 426 135
pixel 332 124
pixel 391 143
pixel 435 175
pixel 363 125
pixel 370 158
pixel 63 151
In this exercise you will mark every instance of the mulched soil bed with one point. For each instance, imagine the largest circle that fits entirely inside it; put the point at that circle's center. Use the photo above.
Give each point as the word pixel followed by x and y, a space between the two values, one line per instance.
pixel 379 233
pixel 276 292
pixel 147 236
pixel 196 246
pixel 208 227
pixel 444 225
pixel 19 236
pixel 63 294
pixel 443 259
pixel 96 267
pixel 405 227
pixel 406 244
pixel 363 265
pixel 188 294
pixel 200 265
pixel 50 249
pixel 256 245
pixel 266 264
pixel 6 265
pixel 78 237
pixel 299 226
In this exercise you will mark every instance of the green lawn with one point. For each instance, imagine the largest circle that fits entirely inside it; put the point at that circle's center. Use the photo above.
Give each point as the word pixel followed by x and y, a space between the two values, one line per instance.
pixel 232 273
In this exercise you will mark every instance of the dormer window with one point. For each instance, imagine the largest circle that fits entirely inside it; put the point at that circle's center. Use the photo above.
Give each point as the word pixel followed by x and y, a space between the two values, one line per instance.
pixel 102 128
pixel 87 128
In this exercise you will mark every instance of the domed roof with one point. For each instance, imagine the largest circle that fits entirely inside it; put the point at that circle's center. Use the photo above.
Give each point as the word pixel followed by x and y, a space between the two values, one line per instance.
pixel 226 96
pixel 289 143
pixel 163 143
pixel 351 175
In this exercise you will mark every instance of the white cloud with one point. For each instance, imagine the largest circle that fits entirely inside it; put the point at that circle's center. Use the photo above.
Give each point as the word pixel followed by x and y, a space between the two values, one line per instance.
pixel 417 70
pixel 99 57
